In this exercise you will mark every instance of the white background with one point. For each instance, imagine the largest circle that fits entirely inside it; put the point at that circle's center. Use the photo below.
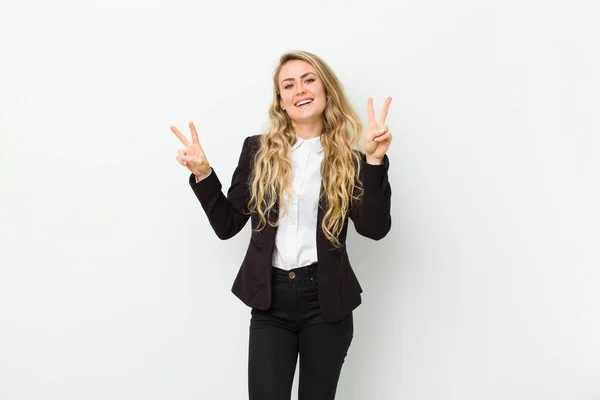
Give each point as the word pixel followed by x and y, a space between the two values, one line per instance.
pixel 114 286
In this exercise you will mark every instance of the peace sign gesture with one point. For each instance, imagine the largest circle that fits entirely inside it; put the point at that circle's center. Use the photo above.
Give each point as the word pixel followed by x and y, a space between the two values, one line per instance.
pixel 378 138
pixel 192 156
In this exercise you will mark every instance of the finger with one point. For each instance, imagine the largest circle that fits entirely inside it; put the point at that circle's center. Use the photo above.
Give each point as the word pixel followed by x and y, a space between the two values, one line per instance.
pixel 180 161
pixel 370 110
pixel 384 137
pixel 194 133
pixel 381 131
pixel 181 155
pixel 384 111
pixel 180 136
pixel 191 159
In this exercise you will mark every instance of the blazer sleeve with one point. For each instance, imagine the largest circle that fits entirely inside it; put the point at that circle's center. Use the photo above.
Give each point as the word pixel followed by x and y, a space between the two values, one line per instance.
pixel 371 214
pixel 227 214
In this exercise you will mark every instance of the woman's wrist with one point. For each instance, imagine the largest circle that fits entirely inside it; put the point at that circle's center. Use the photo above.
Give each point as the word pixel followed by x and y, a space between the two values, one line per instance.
pixel 200 176
pixel 374 161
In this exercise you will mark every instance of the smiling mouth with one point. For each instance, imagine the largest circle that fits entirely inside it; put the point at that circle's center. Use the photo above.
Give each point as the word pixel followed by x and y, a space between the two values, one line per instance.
pixel 303 103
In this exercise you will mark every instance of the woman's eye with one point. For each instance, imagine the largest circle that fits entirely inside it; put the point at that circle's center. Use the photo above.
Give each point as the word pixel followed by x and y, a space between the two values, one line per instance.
pixel 310 80
pixel 288 86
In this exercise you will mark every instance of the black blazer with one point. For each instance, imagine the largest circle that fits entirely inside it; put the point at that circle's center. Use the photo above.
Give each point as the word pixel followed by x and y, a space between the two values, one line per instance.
pixel 339 290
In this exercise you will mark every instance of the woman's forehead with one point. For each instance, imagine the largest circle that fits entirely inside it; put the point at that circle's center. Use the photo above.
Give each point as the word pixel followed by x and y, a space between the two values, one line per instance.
pixel 295 69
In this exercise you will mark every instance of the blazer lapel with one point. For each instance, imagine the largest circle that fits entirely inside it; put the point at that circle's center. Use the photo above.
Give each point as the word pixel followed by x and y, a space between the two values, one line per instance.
pixel 320 214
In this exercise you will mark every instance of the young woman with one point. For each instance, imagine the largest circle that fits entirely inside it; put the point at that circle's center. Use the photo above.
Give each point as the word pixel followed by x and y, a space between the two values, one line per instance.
pixel 299 183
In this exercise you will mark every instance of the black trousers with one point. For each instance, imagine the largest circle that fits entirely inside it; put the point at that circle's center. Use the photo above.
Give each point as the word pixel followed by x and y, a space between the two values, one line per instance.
pixel 294 326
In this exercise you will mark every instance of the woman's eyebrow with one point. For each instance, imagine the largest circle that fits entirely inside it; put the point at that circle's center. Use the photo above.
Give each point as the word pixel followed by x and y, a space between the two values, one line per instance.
pixel 291 79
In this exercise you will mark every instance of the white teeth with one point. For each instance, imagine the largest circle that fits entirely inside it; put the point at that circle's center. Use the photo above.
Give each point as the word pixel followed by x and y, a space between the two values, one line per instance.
pixel 303 102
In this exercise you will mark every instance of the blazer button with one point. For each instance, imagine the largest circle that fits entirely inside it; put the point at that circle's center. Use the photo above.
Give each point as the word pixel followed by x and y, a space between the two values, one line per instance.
pixel 292 275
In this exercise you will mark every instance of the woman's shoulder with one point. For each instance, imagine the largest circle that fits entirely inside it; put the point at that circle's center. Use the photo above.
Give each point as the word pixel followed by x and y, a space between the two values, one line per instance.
pixel 252 142
pixel 254 138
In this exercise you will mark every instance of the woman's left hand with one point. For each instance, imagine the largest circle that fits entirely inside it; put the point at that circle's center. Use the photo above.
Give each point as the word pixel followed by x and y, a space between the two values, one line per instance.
pixel 378 138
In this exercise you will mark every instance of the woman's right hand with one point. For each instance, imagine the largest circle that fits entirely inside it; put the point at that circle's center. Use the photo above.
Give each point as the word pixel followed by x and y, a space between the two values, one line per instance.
pixel 192 156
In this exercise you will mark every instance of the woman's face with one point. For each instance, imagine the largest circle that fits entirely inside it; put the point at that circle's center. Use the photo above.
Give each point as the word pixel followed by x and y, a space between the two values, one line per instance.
pixel 302 92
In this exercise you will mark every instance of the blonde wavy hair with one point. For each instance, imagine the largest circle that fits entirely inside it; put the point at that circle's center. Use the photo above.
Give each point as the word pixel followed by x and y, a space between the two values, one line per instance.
pixel 342 132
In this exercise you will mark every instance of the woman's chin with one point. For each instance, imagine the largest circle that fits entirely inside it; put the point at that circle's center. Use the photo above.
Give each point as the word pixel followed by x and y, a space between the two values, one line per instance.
pixel 308 117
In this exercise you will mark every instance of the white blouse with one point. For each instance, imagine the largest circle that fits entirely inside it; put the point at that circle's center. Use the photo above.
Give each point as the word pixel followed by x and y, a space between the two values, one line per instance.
pixel 296 238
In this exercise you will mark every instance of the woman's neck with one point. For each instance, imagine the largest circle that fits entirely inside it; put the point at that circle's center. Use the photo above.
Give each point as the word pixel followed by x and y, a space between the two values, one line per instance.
pixel 308 130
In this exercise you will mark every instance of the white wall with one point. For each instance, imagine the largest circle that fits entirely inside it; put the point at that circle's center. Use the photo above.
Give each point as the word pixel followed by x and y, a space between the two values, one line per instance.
pixel 113 285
